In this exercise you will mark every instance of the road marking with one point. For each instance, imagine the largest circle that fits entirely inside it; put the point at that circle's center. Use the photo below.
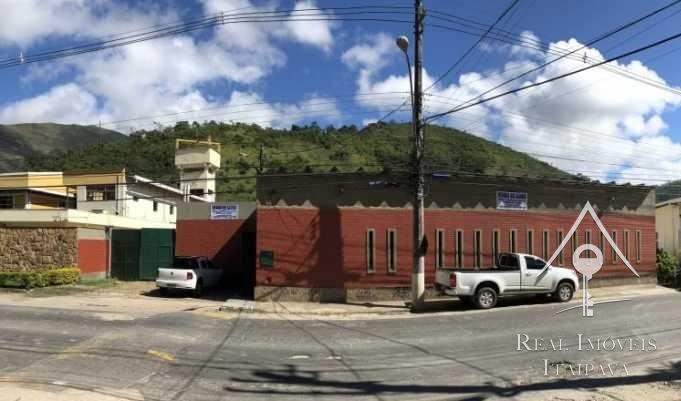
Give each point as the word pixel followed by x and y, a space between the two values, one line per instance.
pixel 164 356
pixel 299 357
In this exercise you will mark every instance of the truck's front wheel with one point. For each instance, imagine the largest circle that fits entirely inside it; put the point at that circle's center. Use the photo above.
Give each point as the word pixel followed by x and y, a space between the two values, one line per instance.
pixel 486 298
pixel 564 292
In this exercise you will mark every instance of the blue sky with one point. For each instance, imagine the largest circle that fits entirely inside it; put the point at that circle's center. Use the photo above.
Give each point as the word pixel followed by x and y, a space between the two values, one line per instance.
pixel 604 123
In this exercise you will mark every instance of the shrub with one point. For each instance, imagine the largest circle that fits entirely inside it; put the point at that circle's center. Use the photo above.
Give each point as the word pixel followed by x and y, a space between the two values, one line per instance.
pixel 33 279
pixel 667 268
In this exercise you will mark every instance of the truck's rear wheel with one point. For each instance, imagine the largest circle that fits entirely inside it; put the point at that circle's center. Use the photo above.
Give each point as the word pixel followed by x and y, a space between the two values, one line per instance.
pixel 163 291
pixel 486 298
pixel 564 292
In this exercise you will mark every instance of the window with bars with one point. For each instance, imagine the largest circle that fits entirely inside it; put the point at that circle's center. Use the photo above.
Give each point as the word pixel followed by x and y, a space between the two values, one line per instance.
pixel 529 246
pixel 613 253
pixel 512 241
pixel 545 245
pixel 458 239
pixel 391 250
pixel 371 250
pixel 495 247
pixel 100 192
pixel 559 241
pixel 626 245
pixel 638 247
pixel 477 249
pixel 587 240
pixel 439 248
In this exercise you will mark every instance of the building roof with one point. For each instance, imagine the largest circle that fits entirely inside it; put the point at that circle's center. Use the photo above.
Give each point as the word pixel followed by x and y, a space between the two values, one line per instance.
pixel 673 201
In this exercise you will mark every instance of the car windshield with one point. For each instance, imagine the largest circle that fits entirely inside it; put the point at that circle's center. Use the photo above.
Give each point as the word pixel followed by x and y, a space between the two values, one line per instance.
pixel 184 263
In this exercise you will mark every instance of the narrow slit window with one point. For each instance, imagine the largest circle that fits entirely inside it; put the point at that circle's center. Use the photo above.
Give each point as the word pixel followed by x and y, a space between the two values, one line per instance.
pixel 439 248
pixel 587 240
pixel 478 249
pixel 559 241
pixel 530 242
pixel 601 243
pixel 495 247
pixel 613 253
pixel 391 251
pixel 638 247
pixel 512 241
pixel 545 245
pixel 574 242
pixel 626 245
pixel 371 250
pixel 459 249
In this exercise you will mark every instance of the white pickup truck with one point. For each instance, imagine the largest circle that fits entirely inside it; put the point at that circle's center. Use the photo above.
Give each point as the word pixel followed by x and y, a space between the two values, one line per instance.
pixel 515 274
pixel 193 273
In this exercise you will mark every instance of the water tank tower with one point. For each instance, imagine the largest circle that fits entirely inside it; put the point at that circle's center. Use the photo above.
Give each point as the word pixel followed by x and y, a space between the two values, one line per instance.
pixel 198 162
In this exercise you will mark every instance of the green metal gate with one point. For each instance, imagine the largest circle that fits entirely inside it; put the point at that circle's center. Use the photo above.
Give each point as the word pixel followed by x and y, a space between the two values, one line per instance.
pixel 156 250
pixel 125 254
pixel 137 254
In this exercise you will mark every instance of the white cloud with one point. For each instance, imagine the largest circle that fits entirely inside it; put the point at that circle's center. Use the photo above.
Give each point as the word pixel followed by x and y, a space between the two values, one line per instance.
pixel 61 104
pixel 162 76
pixel 597 122
pixel 25 22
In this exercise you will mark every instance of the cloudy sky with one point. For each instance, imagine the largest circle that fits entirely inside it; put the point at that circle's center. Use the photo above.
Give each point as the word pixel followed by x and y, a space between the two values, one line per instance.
pixel 621 122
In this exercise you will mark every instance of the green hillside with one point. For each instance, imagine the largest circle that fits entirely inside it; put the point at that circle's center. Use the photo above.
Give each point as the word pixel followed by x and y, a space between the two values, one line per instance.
pixel 300 149
pixel 668 191
pixel 20 140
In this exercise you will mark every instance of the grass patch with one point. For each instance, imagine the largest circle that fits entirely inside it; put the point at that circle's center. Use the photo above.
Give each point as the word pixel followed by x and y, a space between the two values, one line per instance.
pixel 73 289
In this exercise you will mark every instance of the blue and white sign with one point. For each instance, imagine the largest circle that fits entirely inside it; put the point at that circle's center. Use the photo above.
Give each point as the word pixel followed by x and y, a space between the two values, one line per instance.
pixel 511 200
pixel 224 212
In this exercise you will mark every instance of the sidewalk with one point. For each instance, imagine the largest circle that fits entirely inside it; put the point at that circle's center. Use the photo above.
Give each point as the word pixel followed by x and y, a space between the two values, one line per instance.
pixel 441 305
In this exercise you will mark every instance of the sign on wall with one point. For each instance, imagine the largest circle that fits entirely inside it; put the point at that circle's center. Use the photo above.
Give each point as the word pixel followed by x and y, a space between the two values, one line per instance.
pixel 511 200
pixel 224 212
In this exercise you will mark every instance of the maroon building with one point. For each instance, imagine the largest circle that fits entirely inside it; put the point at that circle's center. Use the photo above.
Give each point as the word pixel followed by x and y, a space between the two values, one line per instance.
pixel 338 237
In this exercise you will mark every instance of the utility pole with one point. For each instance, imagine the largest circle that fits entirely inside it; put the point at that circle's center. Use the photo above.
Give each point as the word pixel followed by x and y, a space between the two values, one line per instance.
pixel 260 160
pixel 418 280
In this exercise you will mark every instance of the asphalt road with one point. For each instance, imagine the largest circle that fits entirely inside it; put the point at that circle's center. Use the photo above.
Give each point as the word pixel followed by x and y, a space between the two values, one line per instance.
pixel 466 355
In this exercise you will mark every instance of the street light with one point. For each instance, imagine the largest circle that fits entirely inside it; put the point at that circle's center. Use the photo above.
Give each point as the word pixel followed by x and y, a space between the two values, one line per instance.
pixel 403 43
pixel 418 272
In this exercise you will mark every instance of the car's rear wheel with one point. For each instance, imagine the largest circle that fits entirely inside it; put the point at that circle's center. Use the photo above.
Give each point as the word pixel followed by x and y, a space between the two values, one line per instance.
pixel 163 291
pixel 486 298
pixel 198 290
pixel 564 292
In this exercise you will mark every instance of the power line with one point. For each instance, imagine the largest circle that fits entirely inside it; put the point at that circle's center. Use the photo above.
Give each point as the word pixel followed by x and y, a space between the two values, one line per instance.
pixel 475 45
pixel 590 43
pixel 221 19
pixel 561 76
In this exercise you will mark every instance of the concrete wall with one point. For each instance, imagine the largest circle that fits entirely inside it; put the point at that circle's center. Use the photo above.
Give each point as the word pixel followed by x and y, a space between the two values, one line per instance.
pixel 667 226
pixel 24 249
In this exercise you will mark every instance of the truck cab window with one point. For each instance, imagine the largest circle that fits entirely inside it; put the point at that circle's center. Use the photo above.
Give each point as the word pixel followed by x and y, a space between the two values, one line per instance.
pixel 508 262
pixel 534 263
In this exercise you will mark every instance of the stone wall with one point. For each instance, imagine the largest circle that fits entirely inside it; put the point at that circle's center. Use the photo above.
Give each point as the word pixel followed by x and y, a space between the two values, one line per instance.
pixel 24 248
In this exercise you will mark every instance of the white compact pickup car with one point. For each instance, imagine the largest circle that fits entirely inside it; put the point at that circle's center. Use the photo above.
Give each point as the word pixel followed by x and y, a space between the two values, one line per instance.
pixel 515 274
pixel 192 273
